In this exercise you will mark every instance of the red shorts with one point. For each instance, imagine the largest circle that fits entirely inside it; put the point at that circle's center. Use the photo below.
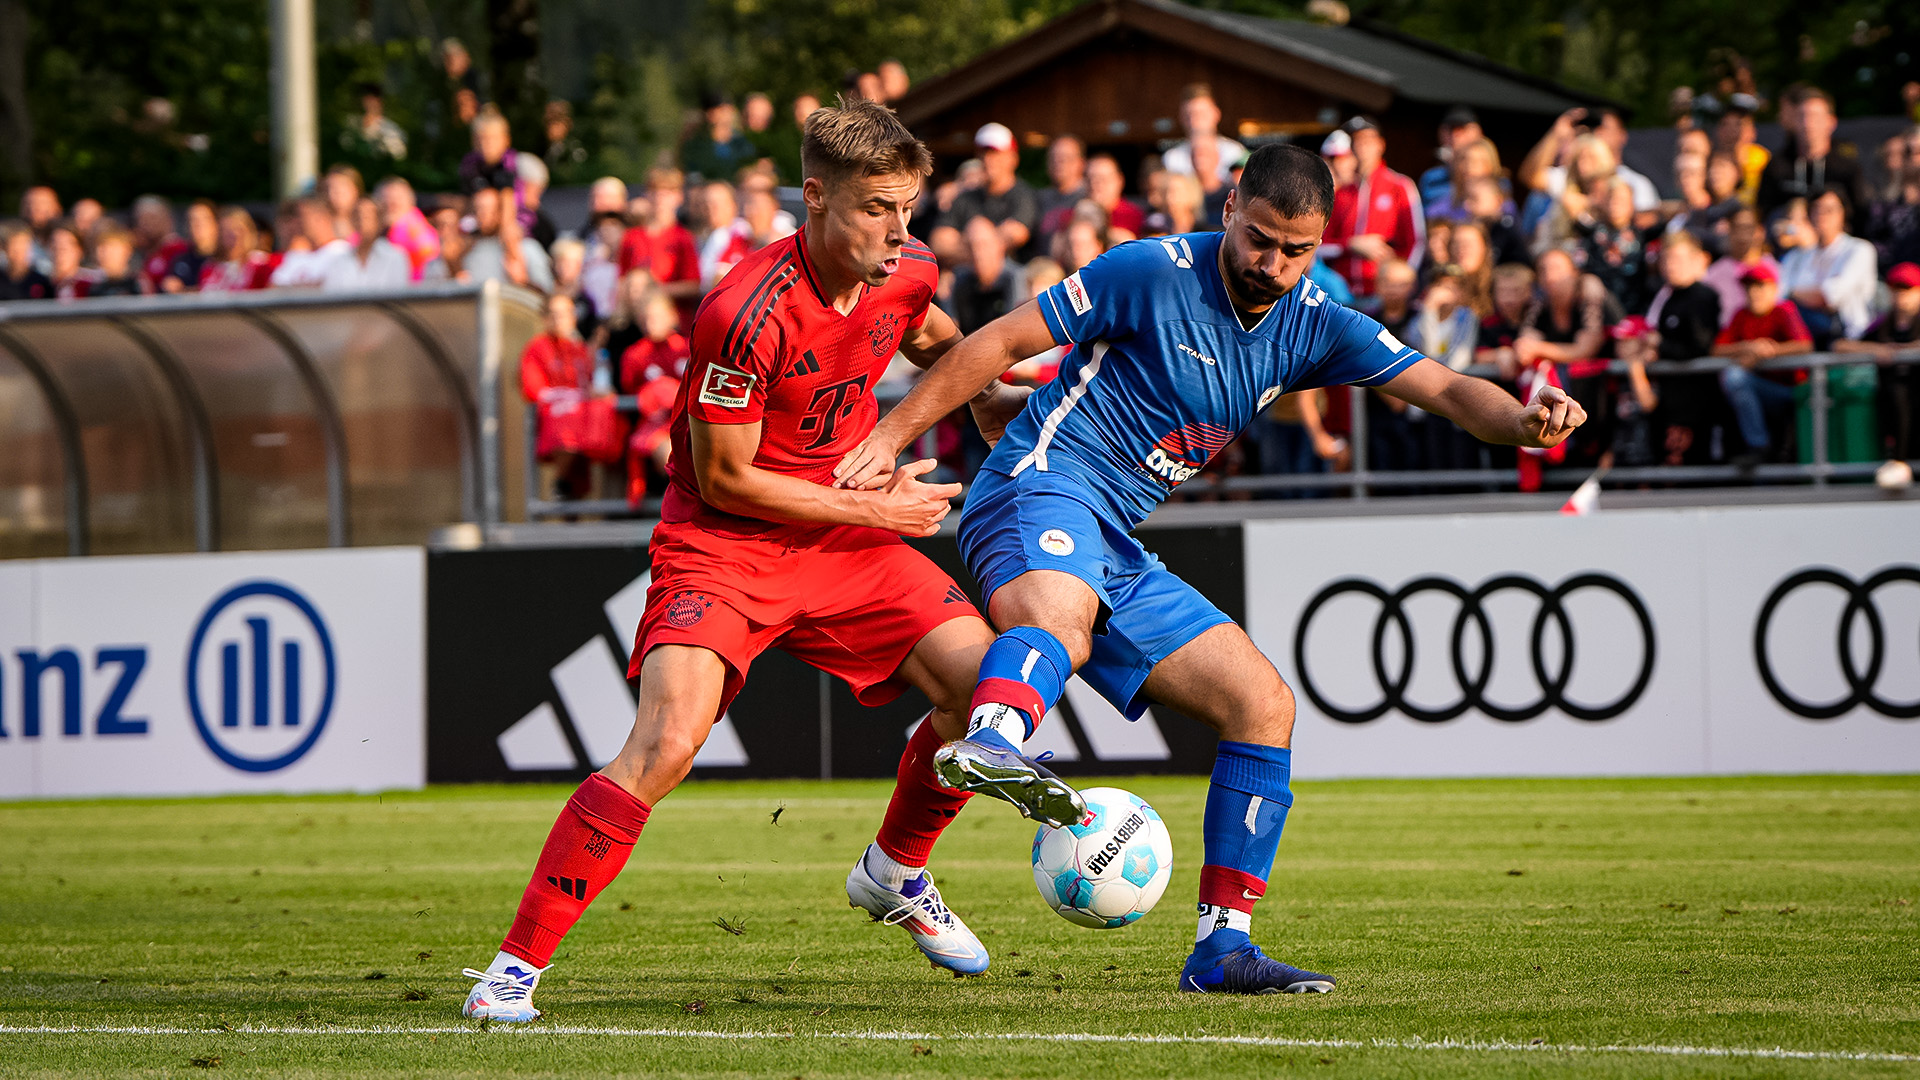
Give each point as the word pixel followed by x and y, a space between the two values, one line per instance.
pixel 851 601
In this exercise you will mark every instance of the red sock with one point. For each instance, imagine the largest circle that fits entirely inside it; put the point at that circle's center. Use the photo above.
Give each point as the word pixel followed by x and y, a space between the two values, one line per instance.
pixel 585 851
pixel 920 807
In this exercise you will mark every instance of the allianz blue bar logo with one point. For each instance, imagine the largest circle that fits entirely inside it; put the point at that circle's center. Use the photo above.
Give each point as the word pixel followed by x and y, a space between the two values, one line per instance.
pixel 260 681
pixel 260 676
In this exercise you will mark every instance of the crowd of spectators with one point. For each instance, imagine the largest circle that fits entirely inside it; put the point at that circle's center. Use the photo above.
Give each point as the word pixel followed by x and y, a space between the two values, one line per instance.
pixel 1569 268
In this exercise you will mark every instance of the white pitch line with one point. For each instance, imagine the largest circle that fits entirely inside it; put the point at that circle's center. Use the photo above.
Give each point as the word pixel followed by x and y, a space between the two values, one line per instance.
pixel 1458 1045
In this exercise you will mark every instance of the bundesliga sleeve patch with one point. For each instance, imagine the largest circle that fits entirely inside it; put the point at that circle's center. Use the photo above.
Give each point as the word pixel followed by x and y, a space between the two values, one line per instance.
pixel 725 387
pixel 1077 294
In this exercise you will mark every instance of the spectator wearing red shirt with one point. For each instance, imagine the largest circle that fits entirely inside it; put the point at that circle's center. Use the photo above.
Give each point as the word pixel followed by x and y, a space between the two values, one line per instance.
pixel 651 370
pixel 1376 217
pixel 1767 327
pixel 662 246
pixel 156 244
pixel 556 376
pixel 242 266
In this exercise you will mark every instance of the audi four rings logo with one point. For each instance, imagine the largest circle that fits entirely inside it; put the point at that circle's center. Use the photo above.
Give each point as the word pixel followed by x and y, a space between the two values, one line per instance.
pixel 1473 683
pixel 1860 683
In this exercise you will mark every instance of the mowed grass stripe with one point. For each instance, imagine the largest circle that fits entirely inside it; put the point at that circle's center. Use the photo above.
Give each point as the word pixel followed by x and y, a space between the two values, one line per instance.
pixel 1457 1045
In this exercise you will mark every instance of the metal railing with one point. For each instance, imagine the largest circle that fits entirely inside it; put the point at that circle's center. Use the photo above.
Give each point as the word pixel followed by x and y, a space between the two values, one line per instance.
pixel 1362 482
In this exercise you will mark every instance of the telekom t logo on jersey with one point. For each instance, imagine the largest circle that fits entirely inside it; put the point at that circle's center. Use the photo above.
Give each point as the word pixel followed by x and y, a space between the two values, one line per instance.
pixel 829 406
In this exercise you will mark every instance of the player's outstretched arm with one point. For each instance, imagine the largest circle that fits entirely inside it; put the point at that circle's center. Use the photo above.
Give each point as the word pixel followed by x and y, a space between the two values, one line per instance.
pixel 729 480
pixel 1487 412
pixel 994 407
pixel 970 369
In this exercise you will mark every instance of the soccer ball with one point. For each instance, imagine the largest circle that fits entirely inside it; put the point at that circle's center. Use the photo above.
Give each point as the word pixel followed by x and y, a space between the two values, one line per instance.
pixel 1110 867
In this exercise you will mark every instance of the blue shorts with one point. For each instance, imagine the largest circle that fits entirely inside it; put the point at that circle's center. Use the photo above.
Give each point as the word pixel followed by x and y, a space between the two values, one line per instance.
pixel 1047 521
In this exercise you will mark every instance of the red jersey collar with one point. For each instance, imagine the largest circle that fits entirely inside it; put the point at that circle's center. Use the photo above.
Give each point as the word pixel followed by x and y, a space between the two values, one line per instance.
pixel 813 279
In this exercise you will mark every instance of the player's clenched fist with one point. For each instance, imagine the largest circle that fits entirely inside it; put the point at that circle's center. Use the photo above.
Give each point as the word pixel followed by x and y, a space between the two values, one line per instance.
pixel 911 508
pixel 1550 417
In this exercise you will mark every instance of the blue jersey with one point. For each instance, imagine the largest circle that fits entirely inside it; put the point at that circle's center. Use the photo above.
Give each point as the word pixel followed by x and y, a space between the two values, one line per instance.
pixel 1162 375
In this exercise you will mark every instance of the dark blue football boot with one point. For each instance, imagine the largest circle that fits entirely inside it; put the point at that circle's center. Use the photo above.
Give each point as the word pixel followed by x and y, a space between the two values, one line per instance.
pixel 1246 970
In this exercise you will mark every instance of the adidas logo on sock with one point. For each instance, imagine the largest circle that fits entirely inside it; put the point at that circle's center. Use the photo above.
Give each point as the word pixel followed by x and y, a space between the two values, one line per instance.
pixel 575 887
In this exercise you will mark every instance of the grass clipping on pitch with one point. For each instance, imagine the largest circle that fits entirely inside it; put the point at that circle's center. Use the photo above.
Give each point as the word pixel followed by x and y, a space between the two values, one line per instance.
pixel 1589 928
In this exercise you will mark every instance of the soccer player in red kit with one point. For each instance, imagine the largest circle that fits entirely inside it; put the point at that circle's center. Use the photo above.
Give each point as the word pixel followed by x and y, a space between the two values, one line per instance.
pixel 757 549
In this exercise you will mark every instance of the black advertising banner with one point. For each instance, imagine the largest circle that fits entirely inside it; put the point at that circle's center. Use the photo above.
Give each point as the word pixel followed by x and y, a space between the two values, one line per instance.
pixel 527 653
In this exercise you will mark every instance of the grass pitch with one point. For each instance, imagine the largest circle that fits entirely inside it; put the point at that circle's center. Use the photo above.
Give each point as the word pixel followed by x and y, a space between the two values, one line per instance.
pixel 1737 927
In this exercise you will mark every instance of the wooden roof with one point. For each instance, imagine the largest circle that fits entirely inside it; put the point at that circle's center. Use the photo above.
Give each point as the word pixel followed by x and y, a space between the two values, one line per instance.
pixel 1111 72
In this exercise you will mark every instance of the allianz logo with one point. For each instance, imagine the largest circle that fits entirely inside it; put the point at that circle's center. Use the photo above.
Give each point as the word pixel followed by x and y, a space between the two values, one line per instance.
pixel 261 678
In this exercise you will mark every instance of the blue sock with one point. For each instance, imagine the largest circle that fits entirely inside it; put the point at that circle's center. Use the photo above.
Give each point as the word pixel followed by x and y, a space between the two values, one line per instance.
pixel 1021 676
pixel 1246 809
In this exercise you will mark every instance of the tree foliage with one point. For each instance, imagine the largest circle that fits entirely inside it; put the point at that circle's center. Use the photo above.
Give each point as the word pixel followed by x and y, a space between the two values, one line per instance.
pixel 785 47
pixel 1637 51
pixel 172 96
pixel 168 96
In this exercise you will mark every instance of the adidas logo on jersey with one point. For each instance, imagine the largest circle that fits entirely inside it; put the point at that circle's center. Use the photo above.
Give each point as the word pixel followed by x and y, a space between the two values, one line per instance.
pixel 806 365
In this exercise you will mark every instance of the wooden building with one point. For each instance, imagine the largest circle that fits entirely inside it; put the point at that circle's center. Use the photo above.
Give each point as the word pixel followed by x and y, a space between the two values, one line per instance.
pixel 1112 73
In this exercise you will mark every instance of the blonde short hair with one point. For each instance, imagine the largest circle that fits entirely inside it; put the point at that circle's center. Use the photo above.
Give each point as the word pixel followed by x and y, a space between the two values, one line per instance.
pixel 859 138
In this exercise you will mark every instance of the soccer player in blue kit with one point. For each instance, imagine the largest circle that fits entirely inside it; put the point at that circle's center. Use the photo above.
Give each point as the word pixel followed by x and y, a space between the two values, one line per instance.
pixel 1177 343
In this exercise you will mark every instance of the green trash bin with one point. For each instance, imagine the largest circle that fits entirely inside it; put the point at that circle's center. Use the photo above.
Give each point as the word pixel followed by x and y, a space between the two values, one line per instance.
pixel 1853 422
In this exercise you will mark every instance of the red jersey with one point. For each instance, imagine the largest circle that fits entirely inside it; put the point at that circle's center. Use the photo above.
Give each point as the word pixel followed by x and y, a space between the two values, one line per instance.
pixel 1783 323
pixel 1384 204
pixel 160 258
pixel 769 348
pixel 670 255
pixel 648 360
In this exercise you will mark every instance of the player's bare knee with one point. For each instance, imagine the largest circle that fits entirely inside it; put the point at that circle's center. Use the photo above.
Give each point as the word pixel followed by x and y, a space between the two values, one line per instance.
pixel 1258 712
pixel 1077 642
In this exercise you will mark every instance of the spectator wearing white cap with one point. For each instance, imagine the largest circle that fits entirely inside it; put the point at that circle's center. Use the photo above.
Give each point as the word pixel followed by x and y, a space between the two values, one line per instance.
pixel 1200 116
pixel 1337 150
pixel 1004 199
pixel 1376 217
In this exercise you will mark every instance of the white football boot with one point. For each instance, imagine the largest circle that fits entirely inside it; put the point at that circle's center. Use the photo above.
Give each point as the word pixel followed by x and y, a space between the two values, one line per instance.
pixel 505 995
pixel 935 929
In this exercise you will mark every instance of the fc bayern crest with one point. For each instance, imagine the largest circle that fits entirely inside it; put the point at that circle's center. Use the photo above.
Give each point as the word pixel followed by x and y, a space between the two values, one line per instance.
pixel 687 608
pixel 885 334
